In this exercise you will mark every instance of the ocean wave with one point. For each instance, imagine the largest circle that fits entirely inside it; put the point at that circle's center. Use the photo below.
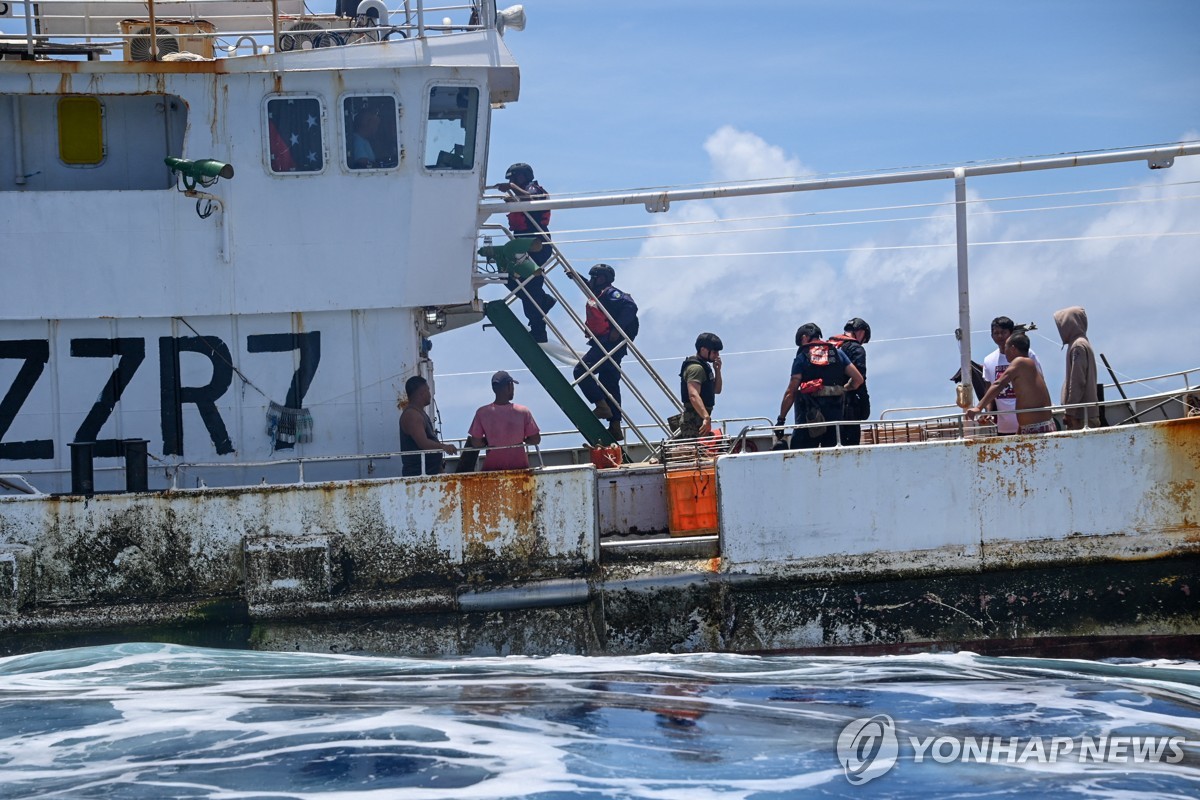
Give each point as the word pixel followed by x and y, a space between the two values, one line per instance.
pixel 156 720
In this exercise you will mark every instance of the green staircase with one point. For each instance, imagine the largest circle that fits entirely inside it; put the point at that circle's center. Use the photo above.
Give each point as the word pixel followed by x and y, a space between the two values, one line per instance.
pixel 547 373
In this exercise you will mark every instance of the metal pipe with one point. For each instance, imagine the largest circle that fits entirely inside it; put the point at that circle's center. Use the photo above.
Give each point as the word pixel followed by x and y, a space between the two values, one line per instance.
pixel 18 142
pixel 275 24
pixel 1155 154
pixel 1132 411
pixel 29 45
pixel 420 19
pixel 964 293
pixel 153 33
pixel 536 594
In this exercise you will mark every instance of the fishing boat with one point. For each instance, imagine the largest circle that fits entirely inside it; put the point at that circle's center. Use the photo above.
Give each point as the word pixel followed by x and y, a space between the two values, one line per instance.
pixel 233 229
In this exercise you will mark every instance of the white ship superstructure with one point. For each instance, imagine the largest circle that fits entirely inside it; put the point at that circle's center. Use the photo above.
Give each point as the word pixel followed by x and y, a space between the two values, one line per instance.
pixel 298 291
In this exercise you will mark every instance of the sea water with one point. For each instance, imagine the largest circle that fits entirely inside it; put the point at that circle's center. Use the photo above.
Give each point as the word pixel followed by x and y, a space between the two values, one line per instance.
pixel 159 721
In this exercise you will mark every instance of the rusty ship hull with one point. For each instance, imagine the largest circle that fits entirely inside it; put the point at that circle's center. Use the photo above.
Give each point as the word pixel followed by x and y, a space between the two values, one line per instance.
pixel 1094 538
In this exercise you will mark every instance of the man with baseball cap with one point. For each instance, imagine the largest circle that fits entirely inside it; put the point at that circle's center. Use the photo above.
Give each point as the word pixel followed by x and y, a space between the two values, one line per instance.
pixel 504 428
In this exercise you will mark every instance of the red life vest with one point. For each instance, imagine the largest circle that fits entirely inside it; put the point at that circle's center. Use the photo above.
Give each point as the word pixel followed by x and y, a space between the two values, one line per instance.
pixel 596 322
pixel 520 222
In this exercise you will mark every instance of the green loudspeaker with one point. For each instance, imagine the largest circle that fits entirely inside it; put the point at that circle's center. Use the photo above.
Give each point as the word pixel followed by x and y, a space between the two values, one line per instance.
pixel 205 171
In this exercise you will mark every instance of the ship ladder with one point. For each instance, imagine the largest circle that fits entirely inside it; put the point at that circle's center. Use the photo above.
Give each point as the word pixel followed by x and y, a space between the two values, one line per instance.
pixel 563 390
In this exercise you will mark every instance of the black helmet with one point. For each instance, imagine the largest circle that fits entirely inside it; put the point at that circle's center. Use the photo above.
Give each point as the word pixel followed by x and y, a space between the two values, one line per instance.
pixel 709 340
pixel 517 169
pixel 603 269
pixel 810 329
pixel 858 324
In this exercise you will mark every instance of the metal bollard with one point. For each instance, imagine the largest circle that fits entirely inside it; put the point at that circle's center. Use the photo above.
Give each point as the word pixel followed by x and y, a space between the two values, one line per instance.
pixel 82 480
pixel 136 472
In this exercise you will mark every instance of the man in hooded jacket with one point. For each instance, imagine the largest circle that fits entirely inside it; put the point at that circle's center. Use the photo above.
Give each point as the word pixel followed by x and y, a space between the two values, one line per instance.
pixel 1079 383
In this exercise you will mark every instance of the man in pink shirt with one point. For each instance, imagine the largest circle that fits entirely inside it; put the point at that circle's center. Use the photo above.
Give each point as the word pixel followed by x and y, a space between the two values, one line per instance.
pixel 502 426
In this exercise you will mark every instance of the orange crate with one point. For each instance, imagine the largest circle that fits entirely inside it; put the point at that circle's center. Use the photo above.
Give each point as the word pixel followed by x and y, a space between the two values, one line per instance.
pixel 692 502
pixel 606 457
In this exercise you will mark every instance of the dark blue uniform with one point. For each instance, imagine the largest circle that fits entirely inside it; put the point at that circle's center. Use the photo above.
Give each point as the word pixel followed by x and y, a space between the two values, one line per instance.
pixel 833 374
pixel 624 310
pixel 536 302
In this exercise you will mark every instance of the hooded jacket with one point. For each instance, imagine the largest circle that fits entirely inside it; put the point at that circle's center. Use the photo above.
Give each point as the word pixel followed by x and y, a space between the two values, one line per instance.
pixel 1079 383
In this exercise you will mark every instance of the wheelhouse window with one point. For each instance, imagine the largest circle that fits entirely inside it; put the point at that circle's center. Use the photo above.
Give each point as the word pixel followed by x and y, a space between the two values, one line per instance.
pixel 372 125
pixel 80 131
pixel 294 134
pixel 450 137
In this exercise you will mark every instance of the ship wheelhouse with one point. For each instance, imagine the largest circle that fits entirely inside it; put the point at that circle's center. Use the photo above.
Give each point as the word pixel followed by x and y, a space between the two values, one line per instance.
pixel 276 302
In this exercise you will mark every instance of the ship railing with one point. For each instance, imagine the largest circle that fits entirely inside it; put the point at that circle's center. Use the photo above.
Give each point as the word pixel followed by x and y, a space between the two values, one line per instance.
pixel 197 474
pixel 1160 397
pixel 73 27
pixel 1169 403
pixel 177 470
pixel 1186 374
pixel 917 429
pixel 957 426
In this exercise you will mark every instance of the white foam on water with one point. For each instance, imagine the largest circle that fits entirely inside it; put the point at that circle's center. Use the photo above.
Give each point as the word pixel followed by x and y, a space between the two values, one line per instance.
pixel 149 720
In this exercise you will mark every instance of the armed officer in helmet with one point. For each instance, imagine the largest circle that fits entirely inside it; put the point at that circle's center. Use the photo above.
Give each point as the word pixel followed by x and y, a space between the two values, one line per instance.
pixel 604 338
pixel 535 301
pixel 821 376
pixel 699 385
pixel 857 403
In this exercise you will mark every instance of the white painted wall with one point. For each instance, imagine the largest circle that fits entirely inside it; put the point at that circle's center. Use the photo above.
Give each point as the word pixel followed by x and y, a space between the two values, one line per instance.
pixel 335 240
pixel 971 504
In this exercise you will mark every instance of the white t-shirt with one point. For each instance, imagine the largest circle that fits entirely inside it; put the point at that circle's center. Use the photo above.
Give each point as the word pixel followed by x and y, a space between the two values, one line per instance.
pixel 993 367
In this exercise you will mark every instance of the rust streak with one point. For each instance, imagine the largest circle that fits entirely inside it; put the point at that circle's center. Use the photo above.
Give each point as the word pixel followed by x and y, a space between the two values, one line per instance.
pixel 1182 440
pixel 492 502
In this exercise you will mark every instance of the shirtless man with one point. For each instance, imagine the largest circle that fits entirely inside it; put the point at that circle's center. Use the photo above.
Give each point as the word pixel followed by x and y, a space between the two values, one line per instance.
pixel 1028 384
pixel 417 434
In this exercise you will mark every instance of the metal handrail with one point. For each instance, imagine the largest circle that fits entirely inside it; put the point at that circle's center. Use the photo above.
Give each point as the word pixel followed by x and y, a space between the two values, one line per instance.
pixel 1166 396
pixel 960 418
pixel 887 411
pixel 1183 372
pixel 160 11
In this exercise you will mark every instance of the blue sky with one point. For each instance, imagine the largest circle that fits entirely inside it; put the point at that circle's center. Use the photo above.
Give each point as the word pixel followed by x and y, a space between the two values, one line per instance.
pixel 621 95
